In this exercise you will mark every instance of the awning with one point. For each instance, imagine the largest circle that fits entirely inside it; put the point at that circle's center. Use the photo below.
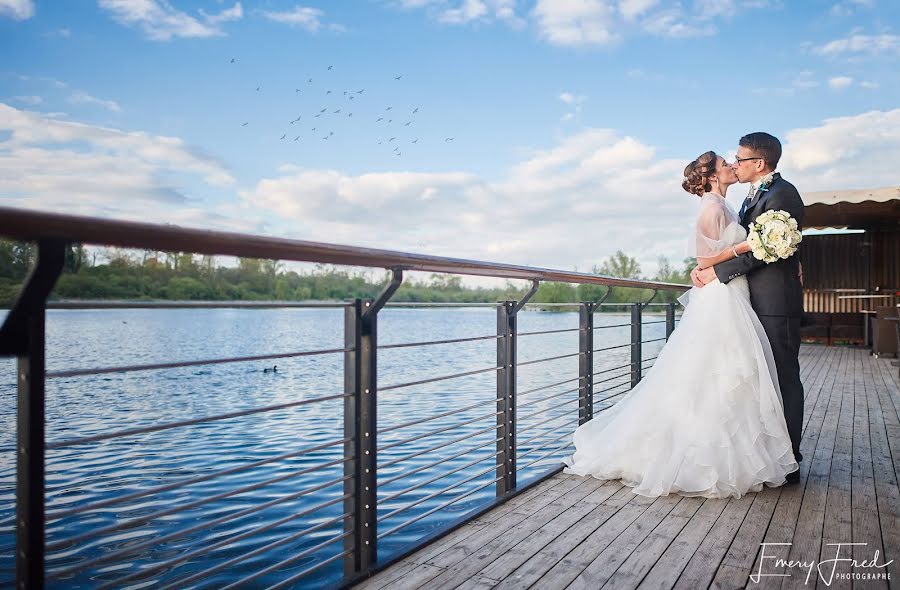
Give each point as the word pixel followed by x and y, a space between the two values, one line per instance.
pixel 855 209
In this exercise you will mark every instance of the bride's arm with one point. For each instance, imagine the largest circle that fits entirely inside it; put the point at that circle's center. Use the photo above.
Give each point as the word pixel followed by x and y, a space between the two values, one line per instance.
pixel 727 254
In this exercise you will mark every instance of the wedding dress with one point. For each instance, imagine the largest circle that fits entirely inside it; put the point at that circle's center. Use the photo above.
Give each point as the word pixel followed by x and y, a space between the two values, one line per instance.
pixel 707 419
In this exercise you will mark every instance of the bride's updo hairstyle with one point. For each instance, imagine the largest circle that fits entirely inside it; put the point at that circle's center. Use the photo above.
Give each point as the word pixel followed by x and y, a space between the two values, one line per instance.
pixel 697 173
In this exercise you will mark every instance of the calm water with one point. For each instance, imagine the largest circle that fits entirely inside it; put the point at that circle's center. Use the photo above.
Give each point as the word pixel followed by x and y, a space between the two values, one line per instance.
pixel 90 473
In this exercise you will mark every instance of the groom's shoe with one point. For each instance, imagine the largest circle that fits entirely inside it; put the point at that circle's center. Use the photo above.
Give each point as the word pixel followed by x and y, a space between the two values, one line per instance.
pixel 793 477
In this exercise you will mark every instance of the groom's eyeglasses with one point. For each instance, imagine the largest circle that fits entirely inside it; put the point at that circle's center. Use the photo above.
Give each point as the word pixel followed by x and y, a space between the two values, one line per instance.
pixel 739 160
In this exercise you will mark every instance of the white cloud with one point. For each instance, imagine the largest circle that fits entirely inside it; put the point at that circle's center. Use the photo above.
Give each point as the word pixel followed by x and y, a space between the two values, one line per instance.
pixel 160 21
pixel 634 8
pixel 595 183
pixel 672 23
pixel 840 82
pixel 80 97
pixel 860 44
pixel 235 13
pixel 576 22
pixel 573 100
pixel 859 151
pixel 569 98
pixel 868 84
pixel 49 163
pixel 32 100
pixel 17 9
pixel 303 17
pixel 468 11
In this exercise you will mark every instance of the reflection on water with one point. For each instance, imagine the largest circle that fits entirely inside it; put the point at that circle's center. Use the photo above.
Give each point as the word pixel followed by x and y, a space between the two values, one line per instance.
pixel 220 530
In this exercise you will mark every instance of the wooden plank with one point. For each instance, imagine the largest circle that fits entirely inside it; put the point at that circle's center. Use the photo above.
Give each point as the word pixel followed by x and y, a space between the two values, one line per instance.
pixel 738 560
pixel 884 512
pixel 635 568
pixel 807 542
pixel 837 526
pixel 494 522
pixel 602 568
pixel 883 425
pixel 477 583
pixel 866 525
pixel 784 520
pixel 670 565
pixel 702 566
pixel 531 571
pixel 570 566
pixel 405 574
pixel 529 546
pixel 463 562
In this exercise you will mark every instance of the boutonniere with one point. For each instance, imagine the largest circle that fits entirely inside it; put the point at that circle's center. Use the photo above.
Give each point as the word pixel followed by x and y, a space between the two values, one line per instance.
pixel 765 182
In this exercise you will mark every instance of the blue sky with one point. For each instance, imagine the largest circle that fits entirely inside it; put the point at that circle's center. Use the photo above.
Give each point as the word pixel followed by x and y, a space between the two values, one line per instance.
pixel 571 120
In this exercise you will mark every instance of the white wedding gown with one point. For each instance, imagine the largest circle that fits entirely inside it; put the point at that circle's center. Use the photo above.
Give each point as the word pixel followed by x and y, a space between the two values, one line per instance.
pixel 707 419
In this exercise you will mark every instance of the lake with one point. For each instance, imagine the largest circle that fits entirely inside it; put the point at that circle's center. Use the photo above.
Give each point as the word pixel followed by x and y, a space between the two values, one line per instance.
pixel 213 528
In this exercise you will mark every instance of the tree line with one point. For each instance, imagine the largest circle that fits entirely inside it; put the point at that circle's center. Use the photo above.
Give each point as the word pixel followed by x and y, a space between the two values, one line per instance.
pixel 154 275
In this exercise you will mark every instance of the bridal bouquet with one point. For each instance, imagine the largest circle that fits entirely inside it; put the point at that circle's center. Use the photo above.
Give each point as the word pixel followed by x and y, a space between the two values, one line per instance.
pixel 773 236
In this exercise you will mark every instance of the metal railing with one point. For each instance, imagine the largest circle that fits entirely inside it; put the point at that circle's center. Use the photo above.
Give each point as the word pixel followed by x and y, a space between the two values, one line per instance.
pixel 348 527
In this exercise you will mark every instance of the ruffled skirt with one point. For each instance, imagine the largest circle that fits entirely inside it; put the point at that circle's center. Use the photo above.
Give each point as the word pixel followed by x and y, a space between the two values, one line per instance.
pixel 707 419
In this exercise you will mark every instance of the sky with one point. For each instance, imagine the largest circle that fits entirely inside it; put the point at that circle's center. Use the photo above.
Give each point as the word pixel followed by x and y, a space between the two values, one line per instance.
pixel 549 133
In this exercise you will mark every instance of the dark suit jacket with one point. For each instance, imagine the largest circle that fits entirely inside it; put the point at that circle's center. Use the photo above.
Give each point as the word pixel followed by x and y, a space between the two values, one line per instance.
pixel 775 288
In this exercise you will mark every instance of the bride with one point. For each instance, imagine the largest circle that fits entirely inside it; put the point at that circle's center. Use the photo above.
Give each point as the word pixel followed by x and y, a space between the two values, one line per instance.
pixel 707 419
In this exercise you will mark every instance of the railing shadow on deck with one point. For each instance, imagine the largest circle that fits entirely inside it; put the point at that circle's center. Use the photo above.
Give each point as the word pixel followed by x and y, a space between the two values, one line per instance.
pixel 377 500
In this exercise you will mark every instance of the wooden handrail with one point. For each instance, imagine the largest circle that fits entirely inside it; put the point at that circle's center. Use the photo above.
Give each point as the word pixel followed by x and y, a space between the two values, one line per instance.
pixel 32 226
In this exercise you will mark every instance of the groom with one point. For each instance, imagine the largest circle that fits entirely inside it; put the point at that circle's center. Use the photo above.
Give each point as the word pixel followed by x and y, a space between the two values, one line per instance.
pixel 776 290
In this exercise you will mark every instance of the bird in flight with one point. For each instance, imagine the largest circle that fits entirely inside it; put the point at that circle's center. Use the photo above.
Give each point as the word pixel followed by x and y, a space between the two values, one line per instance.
pixel 389 108
pixel 391 139
pixel 258 87
pixel 326 137
pixel 323 110
pixel 337 111
pixel 349 114
pixel 309 81
pixel 407 123
pixel 398 77
pixel 448 139
pixel 379 119
pixel 245 124
pixel 296 138
pixel 232 60
pixel 313 129
pixel 351 98
pixel 283 136
pixel 330 133
pixel 297 90
pixel 415 110
pixel 416 140
pixel 360 91
pixel 329 67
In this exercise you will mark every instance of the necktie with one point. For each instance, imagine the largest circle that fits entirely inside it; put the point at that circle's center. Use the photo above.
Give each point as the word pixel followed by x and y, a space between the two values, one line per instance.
pixel 745 205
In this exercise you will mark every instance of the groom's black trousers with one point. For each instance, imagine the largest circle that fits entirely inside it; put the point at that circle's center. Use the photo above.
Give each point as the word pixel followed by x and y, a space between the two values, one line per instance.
pixel 784 336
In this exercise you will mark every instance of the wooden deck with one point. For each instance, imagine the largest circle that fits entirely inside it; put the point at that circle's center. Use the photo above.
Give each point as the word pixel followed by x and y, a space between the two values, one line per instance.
pixel 573 532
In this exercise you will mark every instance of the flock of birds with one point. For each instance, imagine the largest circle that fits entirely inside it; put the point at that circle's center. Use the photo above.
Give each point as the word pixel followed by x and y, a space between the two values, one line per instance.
pixel 320 122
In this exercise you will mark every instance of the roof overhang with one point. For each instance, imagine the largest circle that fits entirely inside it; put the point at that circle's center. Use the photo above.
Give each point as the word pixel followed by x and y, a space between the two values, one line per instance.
pixel 855 209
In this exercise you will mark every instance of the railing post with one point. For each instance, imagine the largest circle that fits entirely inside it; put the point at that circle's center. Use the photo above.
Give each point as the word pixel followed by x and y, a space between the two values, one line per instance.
pixel 586 362
pixel 506 397
pixel 360 340
pixel 670 319
pixel 23 335
pixel 636 343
